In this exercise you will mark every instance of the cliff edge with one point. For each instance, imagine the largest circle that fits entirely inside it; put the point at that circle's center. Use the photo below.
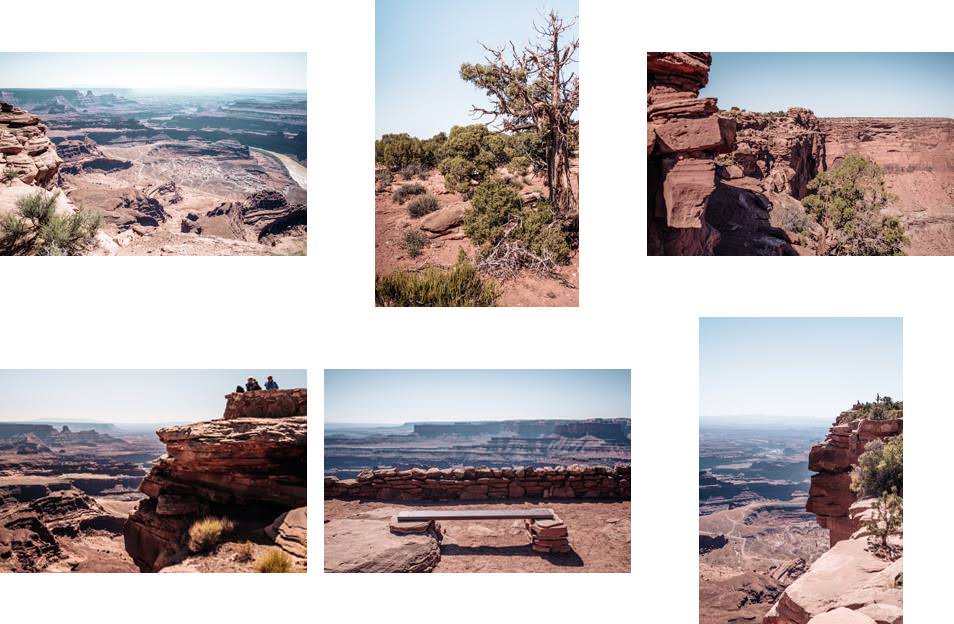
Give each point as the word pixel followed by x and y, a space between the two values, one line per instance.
pixel 249 467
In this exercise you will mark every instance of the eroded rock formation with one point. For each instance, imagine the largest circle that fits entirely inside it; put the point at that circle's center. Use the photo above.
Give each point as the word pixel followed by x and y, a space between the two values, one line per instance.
pixel 830 497
pixel 251 469
pixel 25 150
pixel 261 215
pixel 576 481
pixel 684 134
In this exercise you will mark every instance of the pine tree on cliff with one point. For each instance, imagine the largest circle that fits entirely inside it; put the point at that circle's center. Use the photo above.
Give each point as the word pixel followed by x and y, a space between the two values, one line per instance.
pixel 846 202
pixel 534 91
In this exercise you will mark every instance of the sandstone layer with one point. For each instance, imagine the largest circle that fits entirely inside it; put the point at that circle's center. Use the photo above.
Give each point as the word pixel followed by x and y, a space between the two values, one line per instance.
pixel 25 150
pixel 684 135
pixel 469 483
pixel 249 469
pixel 830 496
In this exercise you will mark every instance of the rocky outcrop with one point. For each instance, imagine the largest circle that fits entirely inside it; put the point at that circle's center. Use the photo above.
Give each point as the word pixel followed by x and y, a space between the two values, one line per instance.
pixel 576 481
pixel 25 150
pixel 850 583
pixel 137 208
pixel 364 543
pixel 260 216
pixel 684 134
pixel 227 149
pixel 249 469
pixel 266 404
pixel 830 497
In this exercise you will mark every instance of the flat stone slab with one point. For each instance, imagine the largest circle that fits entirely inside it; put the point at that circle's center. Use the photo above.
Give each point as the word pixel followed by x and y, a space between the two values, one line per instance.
pixel 357 545
pixel 477 514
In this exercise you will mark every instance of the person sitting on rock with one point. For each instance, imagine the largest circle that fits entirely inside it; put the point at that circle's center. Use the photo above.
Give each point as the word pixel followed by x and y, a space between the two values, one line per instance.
pixel 271 384
pixel 252 385
pixel 239 389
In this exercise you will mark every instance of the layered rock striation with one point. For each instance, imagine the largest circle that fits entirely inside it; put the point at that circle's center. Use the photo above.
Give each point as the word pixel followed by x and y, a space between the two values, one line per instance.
pixel 25 150
pixel 251 469
pixel 576 481
pixel 830 497
pixel 684 135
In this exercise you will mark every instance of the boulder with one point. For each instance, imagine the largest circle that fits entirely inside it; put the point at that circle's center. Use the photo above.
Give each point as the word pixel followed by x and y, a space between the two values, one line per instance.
pixel 367 545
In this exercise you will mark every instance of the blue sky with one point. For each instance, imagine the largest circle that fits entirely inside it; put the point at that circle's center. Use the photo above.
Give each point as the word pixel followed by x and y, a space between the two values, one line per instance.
pixel 799 368
pixel 420 46
pixel 836 84
pixel 399 396
pixel 125 396
pixel 152 70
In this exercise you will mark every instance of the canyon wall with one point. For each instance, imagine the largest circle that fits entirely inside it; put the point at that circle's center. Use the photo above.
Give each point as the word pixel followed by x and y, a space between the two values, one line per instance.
pixel 684 135
pixel 576 481
pixel 25 150
pixel 830 496
pixel 917 157
pixel 251 469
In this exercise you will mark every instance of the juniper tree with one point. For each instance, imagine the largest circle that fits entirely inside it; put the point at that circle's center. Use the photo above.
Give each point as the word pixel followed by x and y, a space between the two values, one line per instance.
pixel 533 90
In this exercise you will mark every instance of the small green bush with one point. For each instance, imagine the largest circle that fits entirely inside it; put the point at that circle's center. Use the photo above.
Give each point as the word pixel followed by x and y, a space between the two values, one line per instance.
pixel 541 234
pixel 414 242
pixel 433 287
pixel 9 175
pixel 275 560
pixel 406 190
pixel 492 206
pixel 35 229
pixel 880 468
pixel 422 205
pixel 382 180
pixel 206 533
pixel 395 151
pixel 520 165
pixel 414 170
pixel 887 519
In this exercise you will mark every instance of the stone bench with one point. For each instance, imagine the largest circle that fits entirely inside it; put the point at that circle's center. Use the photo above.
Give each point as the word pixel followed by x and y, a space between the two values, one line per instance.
pixel 548 533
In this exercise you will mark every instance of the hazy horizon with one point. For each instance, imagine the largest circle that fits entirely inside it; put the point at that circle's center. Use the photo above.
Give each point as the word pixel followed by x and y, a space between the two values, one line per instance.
pixel 126 396
pixel 772 368
pixel 835 84
pixel 189 71
pixel 420 46
pixel 397 397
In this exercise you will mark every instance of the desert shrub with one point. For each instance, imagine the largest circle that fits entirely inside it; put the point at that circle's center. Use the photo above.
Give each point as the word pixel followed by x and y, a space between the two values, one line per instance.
pixel 432 149
pixel 789 214
pixel 395 151
pixel 35 229
pixel 206 533
pixel 382 180
pixel 880 468
pixel 9 175
pixel 413 170
pixel 471 154
pixel 414 242
pixel 433 287
pixel 887 518
pixel 725 160
pixel 275 560
pixel 422 205
pixel 407 190
pixel 458 173
pixel 493 205
pixel 847 201
pixel 520 165
pixel 245 552
pixel 541 234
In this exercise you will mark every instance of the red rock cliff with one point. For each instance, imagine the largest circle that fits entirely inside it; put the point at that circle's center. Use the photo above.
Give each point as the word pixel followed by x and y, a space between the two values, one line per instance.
pixel 24 147
pixel 830 497
pixel 250 468
pixel 684 134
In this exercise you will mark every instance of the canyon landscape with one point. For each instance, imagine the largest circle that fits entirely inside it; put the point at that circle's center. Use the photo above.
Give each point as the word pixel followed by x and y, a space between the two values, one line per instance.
pixel 153 171
pixel 477 483
pixel 739 182
pixel 800 522
pixel 225 494
pixel 486 210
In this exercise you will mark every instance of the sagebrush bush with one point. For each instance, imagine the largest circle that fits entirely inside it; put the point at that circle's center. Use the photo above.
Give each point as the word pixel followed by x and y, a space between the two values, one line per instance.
pixel 35 228
pixel 206 533
pixel 433 287
pixel 275 560
pixel 382 180
pixel 414 170
pixel 422 205
pixel 880 468
pixel 414 241
pixel 406 190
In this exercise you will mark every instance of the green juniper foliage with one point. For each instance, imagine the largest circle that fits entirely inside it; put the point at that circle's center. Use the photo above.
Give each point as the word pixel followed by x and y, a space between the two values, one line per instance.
pixel 35 228
pixel 887 517
pixel 880 468
pixel 847 201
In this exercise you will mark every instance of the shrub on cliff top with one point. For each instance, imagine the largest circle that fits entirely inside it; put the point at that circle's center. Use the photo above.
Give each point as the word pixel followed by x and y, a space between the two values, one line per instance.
pixel 847 201
pixel 880 468
pixel 275 560
pixel 433 287
pixel 35 228
pixel 206 533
